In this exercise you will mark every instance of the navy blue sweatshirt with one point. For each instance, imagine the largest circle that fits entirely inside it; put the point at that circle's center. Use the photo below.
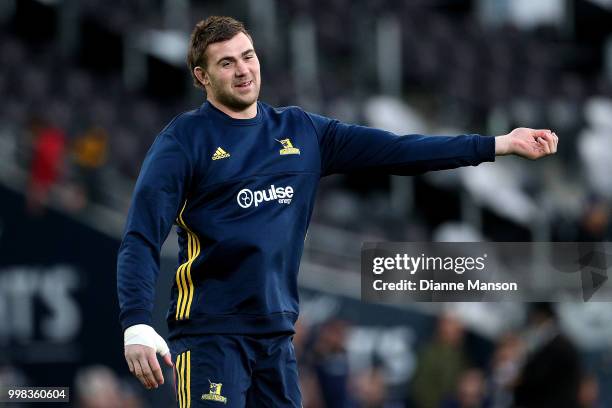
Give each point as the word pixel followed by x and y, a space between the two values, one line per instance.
pixel 242 193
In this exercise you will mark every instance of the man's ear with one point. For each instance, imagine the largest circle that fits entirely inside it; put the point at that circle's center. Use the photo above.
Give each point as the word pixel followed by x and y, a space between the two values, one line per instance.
pixel 201 75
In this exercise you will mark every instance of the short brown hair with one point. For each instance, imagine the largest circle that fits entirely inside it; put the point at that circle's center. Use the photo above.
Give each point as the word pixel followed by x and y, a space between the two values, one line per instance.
pixel 213 29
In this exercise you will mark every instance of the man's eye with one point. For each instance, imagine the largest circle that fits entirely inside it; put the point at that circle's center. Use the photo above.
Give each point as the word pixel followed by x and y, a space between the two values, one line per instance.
pixel 249 56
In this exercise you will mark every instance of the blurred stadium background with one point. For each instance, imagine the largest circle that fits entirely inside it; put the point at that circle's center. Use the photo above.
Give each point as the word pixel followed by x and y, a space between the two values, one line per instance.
pixel 86 86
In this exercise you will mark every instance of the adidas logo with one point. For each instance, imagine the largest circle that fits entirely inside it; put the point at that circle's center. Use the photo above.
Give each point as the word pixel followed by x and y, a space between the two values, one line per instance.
pixel 220 154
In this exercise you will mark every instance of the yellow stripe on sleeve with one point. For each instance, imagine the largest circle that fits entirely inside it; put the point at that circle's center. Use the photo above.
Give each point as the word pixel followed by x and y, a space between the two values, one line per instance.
pixel 179 285
pixel 191 287
pixel 184 280
pixel 179 273
pixel 186 287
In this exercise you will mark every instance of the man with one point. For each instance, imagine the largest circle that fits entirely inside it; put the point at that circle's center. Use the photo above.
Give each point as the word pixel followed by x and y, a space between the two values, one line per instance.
pixel 239 178
pixel 552 372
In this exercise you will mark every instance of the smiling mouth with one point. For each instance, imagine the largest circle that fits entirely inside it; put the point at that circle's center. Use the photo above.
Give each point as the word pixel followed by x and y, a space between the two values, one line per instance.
pixel 244 84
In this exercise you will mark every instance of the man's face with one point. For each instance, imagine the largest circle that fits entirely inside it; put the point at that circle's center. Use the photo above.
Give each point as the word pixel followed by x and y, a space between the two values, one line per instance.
pixel 232 75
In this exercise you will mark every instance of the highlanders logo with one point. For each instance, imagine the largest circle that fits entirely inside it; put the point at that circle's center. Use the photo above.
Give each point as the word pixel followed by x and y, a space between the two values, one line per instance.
pixel 214 394
pixel 287 147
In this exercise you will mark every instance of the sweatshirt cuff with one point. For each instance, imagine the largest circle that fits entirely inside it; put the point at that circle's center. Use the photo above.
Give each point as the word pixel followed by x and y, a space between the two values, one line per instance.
pixel 485 148
pixel 135 316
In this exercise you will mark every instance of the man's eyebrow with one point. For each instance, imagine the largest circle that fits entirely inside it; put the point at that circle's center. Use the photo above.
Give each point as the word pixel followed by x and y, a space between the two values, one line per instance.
pixel 230 58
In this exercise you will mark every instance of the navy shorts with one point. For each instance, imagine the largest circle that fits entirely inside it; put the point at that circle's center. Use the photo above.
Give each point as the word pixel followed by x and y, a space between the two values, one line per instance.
pixel 214 370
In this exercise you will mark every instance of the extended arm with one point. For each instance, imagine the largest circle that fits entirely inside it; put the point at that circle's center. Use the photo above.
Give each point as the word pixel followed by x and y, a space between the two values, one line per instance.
pixel 349 148
pixel 155 203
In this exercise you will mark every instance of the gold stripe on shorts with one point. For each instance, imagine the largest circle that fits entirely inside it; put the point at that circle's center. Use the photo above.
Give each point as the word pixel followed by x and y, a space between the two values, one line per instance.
pixel 179 381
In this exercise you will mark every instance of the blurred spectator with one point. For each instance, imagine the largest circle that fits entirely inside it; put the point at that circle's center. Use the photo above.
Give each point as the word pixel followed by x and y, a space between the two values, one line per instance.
pixel 11 376
pixel 47 162
pixel 440 364
pixel 90 153
pixel 471 391
pixel 505 367
pixel 331 364
pixel 588 394
pixel 131 397
pixel 311 391
pixel 98 387
pixel 300 339
pixel 309 384
pixel 370 388
pixel 552 373
pixel 595 224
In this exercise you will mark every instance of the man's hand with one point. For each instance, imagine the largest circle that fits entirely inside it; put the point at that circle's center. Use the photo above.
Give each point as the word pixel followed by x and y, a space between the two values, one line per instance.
pixel 141 343
pixel 529 143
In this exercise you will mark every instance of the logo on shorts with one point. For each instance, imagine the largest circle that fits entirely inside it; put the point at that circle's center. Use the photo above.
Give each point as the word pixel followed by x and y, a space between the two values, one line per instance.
pixel 214 394
pixel 247 198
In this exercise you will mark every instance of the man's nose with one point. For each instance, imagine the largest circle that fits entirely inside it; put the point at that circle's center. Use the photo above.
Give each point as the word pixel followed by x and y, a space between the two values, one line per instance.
pixel 241 68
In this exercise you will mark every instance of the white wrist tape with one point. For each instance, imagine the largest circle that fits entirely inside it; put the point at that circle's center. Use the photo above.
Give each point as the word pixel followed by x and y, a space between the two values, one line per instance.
pixel 147 336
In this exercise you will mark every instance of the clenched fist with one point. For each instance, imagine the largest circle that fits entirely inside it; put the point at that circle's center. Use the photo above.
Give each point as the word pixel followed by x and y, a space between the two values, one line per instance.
pixel 529 143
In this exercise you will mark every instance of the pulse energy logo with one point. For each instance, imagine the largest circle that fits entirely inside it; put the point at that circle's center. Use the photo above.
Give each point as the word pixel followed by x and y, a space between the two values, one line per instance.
pixel 247 198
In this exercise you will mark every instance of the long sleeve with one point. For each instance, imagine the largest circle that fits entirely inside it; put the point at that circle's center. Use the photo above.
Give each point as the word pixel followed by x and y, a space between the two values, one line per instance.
pixel 156 200
pixel 350 148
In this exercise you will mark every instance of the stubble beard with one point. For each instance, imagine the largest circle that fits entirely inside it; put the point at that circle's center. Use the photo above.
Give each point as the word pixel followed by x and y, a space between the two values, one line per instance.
pixel 237 104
